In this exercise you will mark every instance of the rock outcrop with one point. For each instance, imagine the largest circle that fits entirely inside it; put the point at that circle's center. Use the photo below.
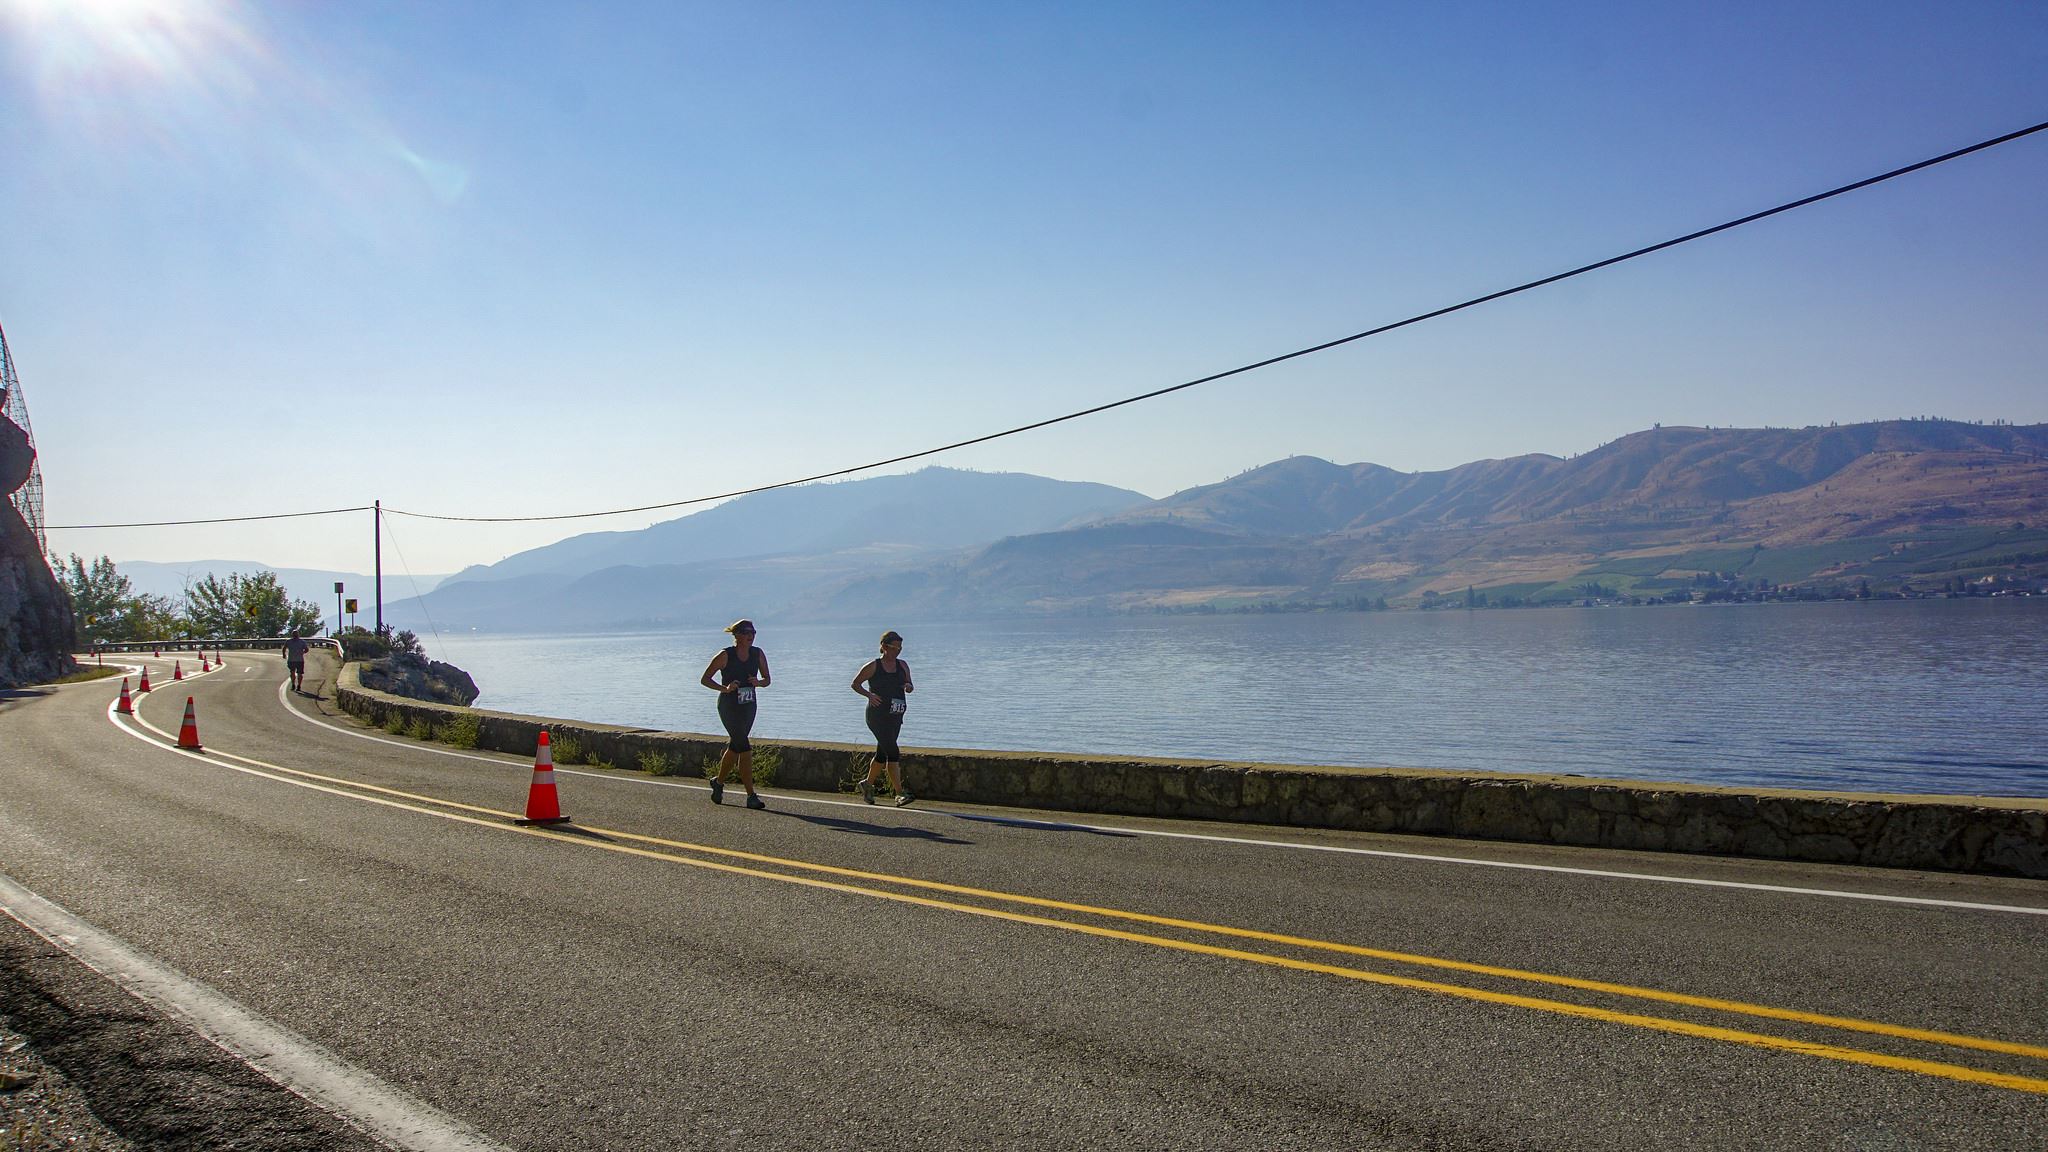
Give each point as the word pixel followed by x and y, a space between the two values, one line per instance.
pixel 35 614
pixel 418 678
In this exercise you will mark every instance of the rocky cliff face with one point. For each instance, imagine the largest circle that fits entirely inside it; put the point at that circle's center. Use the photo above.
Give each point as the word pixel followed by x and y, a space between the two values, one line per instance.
pixel 420 679
pixel 35 615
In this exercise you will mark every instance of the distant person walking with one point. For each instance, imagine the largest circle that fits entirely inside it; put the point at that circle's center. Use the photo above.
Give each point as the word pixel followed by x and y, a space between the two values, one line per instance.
pixel 885 682
pixel 740 669
pixel 295 661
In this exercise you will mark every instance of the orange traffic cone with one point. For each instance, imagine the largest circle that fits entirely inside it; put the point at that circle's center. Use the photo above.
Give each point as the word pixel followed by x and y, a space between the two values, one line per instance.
pixel 542 805
pixel 203 665
pixel 144 686
pixel 219 658
pixel 188 732
pixel 123 705
pixel 157 652
pixel 177 669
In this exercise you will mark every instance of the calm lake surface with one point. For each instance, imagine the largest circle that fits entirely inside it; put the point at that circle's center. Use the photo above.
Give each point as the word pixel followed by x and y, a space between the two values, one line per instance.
pixel 1943 696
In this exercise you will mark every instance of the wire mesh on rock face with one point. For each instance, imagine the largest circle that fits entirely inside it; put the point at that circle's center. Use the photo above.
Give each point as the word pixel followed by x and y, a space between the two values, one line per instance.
pixel 28 499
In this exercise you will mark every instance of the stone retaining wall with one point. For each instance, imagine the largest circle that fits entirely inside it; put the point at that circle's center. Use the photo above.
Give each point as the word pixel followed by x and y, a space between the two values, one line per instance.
pixel 1955 833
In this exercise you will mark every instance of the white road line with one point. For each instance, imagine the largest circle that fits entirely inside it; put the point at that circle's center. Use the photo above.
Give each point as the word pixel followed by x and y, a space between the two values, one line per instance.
pixel 393 1117
pixel 1240 841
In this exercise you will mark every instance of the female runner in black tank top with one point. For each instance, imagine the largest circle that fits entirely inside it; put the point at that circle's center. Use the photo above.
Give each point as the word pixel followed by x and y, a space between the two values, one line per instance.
pixel 885 681
pixel 740 669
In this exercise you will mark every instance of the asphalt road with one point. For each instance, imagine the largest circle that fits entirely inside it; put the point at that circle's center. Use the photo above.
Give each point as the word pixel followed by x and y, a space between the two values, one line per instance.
pixel 673 974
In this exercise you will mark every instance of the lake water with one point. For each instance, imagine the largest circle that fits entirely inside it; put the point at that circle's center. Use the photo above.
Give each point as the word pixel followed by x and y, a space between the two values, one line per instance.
pixel 1888 696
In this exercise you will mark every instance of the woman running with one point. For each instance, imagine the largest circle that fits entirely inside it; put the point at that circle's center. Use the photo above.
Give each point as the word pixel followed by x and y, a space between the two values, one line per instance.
pixel 741 668
pixel 885 681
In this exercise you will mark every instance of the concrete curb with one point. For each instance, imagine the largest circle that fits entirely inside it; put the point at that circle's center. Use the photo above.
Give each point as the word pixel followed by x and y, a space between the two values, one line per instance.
pixel 1948 833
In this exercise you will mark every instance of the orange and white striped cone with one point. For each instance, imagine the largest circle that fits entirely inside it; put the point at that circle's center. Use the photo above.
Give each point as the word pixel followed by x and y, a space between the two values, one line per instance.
pixel 144 686
pixel 124 705
pixel 177 669
pixel 157 652
pixel 203 665
pixel 542 805
pixel 219 658
pixel 188 732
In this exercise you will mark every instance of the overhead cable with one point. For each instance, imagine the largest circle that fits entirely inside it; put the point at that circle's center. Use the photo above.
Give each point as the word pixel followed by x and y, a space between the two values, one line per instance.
pixel 217 520
pixel 1158 392
pixel 1326 345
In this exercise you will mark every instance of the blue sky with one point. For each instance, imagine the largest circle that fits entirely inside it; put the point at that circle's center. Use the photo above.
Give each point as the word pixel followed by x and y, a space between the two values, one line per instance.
pixel 503 259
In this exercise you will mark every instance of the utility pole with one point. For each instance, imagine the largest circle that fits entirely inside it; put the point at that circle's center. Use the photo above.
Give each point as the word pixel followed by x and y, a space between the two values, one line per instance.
pixel 377 534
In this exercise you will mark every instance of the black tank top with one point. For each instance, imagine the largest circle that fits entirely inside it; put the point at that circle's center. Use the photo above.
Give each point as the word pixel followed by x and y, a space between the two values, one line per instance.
pixel 736 672
pixel 886 684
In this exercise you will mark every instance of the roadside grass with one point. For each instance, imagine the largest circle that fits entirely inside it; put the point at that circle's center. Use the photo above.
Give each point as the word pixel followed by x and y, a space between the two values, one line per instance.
pixel 766 761
pixel 857 766
pixel 394 723
pixel 461 731
pixel 655 762
pixel 420 729
pixel 79 677
pixel 567 749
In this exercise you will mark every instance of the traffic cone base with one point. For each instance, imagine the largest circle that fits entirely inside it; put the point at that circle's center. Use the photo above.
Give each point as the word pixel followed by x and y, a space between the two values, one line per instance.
pixel 543 806
pixel 188 732
pixel 123 705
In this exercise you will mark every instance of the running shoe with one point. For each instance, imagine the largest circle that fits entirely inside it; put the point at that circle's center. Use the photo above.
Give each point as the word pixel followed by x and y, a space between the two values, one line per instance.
pixel 867 791
pixel 903 798
pixel 754 801
pixel 717 791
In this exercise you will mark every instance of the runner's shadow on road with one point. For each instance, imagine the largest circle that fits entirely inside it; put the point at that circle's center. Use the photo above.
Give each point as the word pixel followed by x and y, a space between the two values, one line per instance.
pixel 22 693
pixel 1042 825
pixel 863 828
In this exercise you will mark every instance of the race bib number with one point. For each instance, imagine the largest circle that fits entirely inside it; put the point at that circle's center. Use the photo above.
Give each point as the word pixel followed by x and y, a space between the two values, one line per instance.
pixel 896 707
pixel 744 695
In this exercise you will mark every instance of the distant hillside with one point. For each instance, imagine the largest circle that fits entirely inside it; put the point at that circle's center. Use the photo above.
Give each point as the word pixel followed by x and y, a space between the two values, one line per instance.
pixel 759 552
pixel 935 508
pixel 1894 502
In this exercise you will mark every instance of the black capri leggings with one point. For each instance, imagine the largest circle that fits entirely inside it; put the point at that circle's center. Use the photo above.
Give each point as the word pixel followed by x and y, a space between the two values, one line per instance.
pixel 738 719
pixel 886 726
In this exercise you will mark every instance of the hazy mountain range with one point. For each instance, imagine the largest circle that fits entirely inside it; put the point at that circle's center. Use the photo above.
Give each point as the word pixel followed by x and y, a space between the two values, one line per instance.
pixel 1894 502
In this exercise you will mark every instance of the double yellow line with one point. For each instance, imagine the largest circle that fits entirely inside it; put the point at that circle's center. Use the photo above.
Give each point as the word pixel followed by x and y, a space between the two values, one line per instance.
pixel 666 851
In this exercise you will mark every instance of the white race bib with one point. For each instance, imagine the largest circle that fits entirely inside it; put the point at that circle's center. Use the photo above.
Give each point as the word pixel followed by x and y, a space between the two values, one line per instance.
pixel 896 707
pixel 744 695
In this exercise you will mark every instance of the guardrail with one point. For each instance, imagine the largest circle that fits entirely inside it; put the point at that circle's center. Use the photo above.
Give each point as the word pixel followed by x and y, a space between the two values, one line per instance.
pixel 232 643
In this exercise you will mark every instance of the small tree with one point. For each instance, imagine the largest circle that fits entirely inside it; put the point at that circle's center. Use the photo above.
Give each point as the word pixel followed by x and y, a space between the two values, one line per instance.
pixel 247 606
pixel 99 598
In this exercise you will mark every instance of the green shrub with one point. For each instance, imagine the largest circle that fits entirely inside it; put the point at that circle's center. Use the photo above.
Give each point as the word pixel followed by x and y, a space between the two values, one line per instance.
pixel 462 731
pixel 857 766
pixel 394 723
pixel 601 764
pixel 567 750
pixel 420 729
pixel 655 762
pixel 766 761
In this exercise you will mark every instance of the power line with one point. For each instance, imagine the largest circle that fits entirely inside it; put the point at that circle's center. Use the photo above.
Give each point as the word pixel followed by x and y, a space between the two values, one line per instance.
pixel 218 520
pixel 1158 392
pixel 1326 345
